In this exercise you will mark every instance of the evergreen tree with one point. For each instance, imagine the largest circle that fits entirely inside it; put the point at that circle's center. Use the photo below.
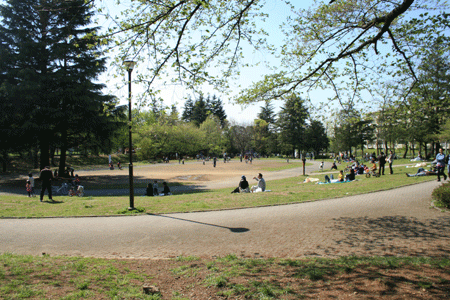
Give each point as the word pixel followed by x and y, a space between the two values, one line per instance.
pixel 292 123
pixel 53 60
pixel 187 110
pixel 316 137
pixel 267 113
pixel 201 110
pixel 217 109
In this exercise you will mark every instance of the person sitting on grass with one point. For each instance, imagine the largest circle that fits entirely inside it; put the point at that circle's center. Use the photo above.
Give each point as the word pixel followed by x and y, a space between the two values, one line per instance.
pixel 334 166
pixel 261 187
pixel 149 190
pixel 341 176
pixel 351 176
pixel 243 186
pixel 166 190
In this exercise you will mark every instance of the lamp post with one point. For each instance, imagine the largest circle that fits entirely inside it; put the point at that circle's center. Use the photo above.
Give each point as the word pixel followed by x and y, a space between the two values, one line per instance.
pixel 129 64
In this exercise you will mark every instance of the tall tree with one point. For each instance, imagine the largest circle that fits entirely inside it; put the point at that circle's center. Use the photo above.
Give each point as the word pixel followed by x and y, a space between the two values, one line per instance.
pixel 54 60
pixel 316 137
pixel 217 109
pixel 292 123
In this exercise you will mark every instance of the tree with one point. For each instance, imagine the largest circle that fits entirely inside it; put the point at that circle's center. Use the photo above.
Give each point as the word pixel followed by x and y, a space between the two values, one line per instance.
pixel 215 142
pixel 316 137
pixel 199 110
pixel 352 131
pixel 217 109
pixel 53 60
pixel 317 41
pixel 240 138
pixel 292 123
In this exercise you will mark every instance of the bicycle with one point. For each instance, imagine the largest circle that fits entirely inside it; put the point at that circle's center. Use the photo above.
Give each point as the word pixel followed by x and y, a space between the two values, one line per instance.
pixel 79 191
pixel 62 190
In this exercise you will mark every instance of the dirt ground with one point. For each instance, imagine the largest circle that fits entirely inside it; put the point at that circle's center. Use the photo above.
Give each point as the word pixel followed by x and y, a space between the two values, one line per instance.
pixel 194 172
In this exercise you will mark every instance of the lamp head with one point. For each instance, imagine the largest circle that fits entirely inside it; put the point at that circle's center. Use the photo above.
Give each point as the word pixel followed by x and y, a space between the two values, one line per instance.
pixel 129 64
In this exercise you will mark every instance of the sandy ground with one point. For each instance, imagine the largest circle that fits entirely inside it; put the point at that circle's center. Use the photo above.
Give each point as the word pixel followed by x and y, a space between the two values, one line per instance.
pixel 194 171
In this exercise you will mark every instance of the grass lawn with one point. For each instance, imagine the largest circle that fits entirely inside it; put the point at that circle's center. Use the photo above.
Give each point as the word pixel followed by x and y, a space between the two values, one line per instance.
pixel 228 277
pixel 290 190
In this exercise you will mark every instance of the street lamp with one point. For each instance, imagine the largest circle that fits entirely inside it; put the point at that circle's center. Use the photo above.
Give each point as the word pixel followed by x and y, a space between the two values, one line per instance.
pixel 129 65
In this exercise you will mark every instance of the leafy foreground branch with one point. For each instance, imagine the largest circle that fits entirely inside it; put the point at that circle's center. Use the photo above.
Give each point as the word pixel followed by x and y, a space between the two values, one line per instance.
pixel 230 276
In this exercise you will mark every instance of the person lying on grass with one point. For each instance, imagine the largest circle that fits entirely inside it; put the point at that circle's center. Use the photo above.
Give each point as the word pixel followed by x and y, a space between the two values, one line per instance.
pixel 423 172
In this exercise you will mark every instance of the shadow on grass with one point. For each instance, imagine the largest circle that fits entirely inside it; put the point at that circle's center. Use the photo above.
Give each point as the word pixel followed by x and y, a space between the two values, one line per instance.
pixel 232 229
pixel 394 235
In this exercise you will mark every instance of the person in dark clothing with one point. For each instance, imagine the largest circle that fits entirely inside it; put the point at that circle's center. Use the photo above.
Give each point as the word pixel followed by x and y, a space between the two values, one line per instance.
pixel 149 190
pixel 351 176
pixel 243 186
pixel 381 162
pixel 46 177
pixel 166 190
pixel 334 166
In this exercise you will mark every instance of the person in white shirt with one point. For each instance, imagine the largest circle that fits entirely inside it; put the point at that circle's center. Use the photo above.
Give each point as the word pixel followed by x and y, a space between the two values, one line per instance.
pixel 261 187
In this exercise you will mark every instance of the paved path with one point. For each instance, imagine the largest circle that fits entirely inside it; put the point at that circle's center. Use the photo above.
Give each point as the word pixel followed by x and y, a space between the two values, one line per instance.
pixel 396 222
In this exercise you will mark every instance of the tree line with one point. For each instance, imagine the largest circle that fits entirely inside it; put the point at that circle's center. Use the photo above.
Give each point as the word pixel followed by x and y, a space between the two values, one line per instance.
pixel 203 129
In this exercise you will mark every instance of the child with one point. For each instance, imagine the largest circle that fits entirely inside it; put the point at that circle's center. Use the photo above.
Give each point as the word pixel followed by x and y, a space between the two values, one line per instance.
pixel 31 179
pixel 341 175
pixel 29 189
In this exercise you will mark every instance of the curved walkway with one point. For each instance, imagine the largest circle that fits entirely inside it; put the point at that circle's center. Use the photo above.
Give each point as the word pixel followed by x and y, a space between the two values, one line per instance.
pixel 395 222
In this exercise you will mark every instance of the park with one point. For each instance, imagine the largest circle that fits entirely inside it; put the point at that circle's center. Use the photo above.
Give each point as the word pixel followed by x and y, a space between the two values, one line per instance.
pixel 383 224
pixel 215 149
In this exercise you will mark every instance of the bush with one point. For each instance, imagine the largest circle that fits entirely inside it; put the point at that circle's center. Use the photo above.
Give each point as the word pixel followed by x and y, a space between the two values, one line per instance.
pixel 442 195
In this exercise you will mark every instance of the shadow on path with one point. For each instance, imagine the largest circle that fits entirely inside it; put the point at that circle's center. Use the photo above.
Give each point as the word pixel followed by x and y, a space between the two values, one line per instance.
pixel 392 235
pixel 232 229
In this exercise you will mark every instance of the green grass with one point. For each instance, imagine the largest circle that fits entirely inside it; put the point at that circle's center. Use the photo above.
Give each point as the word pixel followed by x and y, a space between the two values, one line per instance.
pixel 45 277
pixel 290 190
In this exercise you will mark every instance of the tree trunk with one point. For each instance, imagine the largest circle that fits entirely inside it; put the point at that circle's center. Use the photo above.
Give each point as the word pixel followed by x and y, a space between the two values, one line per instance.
pixel 52 155
pixel 406 150
pixel 426 150
pixel 44 144
pixel 63 155
pixel 4 159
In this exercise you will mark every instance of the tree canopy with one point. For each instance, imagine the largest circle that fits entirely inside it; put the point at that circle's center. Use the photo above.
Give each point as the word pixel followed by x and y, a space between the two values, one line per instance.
pixel 352 39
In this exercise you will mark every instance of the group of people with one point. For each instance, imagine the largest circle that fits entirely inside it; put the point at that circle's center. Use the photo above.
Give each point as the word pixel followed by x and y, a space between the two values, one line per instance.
pixel 111 165
pixel 153 189
pixel 441 161
pixel 244 186
pixel 47 176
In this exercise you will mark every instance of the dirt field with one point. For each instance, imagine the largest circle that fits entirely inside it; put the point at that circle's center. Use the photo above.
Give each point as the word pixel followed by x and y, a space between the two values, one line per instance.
pixel 190 172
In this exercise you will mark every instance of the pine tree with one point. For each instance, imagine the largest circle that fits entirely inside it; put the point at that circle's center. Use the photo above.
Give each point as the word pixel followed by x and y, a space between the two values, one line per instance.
pixel 267 113
pixel 187 110
pixel 53 61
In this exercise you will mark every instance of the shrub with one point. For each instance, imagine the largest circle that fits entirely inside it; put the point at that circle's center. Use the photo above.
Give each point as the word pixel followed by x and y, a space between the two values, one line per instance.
pixel 442 195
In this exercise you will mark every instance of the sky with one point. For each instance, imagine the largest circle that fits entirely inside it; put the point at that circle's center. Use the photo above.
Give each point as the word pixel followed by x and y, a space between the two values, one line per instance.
pixel 175 94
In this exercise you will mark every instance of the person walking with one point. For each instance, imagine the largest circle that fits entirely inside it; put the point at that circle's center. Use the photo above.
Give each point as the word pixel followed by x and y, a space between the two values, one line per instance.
pixel 215 161
pixel 382 163
pixel 391 160
pixel 440 164
pixel 46 177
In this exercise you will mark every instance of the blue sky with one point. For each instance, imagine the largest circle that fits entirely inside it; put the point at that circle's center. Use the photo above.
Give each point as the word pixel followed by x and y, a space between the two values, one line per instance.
pixel 175 94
